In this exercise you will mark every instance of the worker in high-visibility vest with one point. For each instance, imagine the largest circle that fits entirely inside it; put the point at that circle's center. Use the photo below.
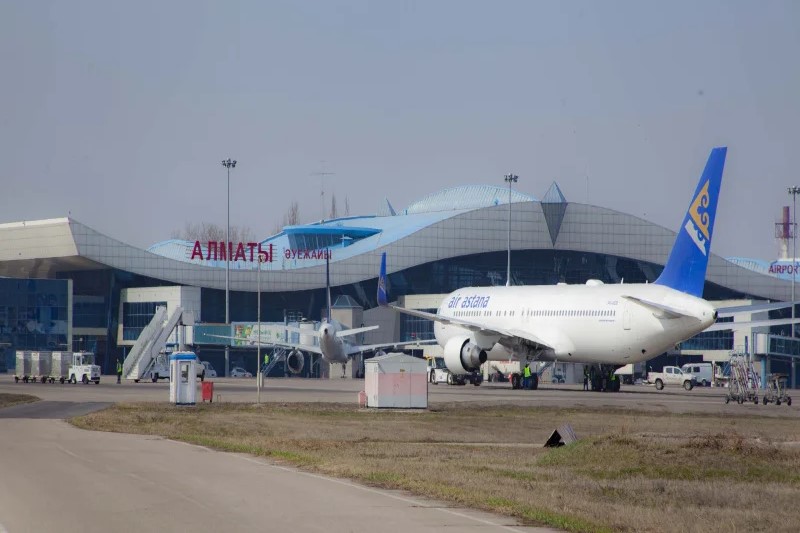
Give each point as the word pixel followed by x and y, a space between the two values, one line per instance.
pixel 266 361
pixel 119 371
pixel 526 377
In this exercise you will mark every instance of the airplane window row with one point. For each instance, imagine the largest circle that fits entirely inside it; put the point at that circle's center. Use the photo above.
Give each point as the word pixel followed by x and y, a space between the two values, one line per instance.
pixel 543 312
pixel 571 312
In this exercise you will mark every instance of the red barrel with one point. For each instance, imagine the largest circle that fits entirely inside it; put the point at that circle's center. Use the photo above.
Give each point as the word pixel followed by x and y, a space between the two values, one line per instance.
pixel 208 391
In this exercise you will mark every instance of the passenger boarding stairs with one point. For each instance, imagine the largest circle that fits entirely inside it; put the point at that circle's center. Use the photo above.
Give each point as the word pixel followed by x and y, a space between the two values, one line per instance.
pixel 278 356
pixel 544 366
pixel 150 343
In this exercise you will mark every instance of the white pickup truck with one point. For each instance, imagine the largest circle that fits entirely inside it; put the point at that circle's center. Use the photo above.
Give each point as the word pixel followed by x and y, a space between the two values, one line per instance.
pixel 671 375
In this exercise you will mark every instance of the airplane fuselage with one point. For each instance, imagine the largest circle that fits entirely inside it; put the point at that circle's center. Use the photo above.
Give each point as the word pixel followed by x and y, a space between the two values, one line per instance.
pixel 593 323
pixel 332 347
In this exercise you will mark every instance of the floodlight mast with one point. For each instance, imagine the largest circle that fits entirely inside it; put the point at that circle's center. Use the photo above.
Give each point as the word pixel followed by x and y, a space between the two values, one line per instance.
pixel 228 164
pixel 509 178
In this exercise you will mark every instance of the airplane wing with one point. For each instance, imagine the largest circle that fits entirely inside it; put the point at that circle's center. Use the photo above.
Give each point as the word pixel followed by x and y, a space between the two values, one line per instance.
pixel 667 310
pixel 725 311
pixel 342 333
pixel 273 344
pixel 722 326
pixel 503 333
pixel 369 347
pixel 355 331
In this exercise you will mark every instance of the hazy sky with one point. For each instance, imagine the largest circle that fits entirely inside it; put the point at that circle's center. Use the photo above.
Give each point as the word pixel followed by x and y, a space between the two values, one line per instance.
pixel 119 112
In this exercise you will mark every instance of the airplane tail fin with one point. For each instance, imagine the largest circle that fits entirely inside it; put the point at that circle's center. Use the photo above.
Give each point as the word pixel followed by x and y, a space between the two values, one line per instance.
pixel 685 270
pixel 382 298
pixel 328 284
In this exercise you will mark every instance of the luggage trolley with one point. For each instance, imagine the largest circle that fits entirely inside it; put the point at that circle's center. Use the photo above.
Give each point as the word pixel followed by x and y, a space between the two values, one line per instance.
pixel 776 390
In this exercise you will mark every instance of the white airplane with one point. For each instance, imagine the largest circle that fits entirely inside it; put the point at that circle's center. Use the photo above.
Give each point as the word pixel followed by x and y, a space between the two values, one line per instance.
pixel 333 344
pixel 609 325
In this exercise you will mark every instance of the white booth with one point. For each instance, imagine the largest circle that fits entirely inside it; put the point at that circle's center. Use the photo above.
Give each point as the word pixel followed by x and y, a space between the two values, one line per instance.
pixel 183 378
pixel 396 380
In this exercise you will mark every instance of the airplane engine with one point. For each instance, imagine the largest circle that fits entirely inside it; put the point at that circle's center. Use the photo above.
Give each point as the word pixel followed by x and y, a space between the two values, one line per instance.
pixel 295 361
pixel 380 353
pixel 462 356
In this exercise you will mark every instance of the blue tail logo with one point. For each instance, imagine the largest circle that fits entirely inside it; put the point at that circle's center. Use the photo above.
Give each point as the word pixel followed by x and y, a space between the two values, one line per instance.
pixel 699 219
pixel 686 267
pixel 382 299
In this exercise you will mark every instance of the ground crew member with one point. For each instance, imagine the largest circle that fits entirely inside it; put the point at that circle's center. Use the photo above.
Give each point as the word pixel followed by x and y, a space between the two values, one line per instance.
pixel 119 371
pixel 266 361
pixel 526 374
pixel 585 378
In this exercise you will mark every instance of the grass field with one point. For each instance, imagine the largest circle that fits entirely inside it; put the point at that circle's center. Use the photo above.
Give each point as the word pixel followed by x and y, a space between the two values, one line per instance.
pixel 630 470
pixel 7 400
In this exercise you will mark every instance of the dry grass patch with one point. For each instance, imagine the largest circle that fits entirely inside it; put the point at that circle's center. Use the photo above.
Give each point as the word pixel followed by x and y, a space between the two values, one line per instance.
pixel 7 400
pixel 632 471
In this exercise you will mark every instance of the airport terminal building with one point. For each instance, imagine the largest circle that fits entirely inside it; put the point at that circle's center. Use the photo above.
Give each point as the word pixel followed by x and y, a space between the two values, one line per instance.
pixel 63 284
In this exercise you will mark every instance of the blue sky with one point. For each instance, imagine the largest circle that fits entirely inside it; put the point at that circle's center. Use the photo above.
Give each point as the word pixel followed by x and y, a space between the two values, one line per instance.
pixel 118 113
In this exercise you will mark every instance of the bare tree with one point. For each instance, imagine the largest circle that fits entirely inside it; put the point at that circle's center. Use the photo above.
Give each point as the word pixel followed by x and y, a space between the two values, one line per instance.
pixel 293 214
pixel 290 218
pixel 334 211
pixel 209 232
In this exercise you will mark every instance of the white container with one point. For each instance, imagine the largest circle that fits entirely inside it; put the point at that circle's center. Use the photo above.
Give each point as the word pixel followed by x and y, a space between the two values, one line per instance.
pixel 40 365
pixel 183 378
pixel 61 362
pixel 23 367
pixel 396 380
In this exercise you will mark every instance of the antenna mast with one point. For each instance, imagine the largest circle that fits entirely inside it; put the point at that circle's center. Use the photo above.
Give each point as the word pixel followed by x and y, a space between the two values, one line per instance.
pixel 322 175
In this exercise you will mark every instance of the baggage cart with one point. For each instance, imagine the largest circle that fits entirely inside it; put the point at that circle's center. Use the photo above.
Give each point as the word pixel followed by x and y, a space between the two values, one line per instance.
pixel 776 390
pixel 23 368
pixel 59 366
pixel 40 366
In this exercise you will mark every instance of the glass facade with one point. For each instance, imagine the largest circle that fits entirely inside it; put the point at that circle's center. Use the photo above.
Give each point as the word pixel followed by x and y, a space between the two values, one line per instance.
pixel 429 253
pixel 414 328
pixel 136 316
pixel 34 315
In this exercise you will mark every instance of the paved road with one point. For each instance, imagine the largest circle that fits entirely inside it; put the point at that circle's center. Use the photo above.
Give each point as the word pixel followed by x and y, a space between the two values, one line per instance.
pixel 676 400
pixel 59 478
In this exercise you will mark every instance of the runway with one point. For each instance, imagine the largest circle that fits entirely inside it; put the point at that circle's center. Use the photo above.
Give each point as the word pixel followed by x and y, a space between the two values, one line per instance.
pixel 673 400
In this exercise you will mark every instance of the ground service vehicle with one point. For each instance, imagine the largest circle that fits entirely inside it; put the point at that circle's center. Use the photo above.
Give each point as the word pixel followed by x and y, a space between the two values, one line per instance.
pixel 239 372
pixel 438 373
pixel 671 375
pixel 207 371
pixel 703 372
pixel 83 368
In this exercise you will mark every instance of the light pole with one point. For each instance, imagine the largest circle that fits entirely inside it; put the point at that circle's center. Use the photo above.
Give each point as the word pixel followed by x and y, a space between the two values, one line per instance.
pixel 794 191
pixel 509 178
pixel 259 376
pixel 228 164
